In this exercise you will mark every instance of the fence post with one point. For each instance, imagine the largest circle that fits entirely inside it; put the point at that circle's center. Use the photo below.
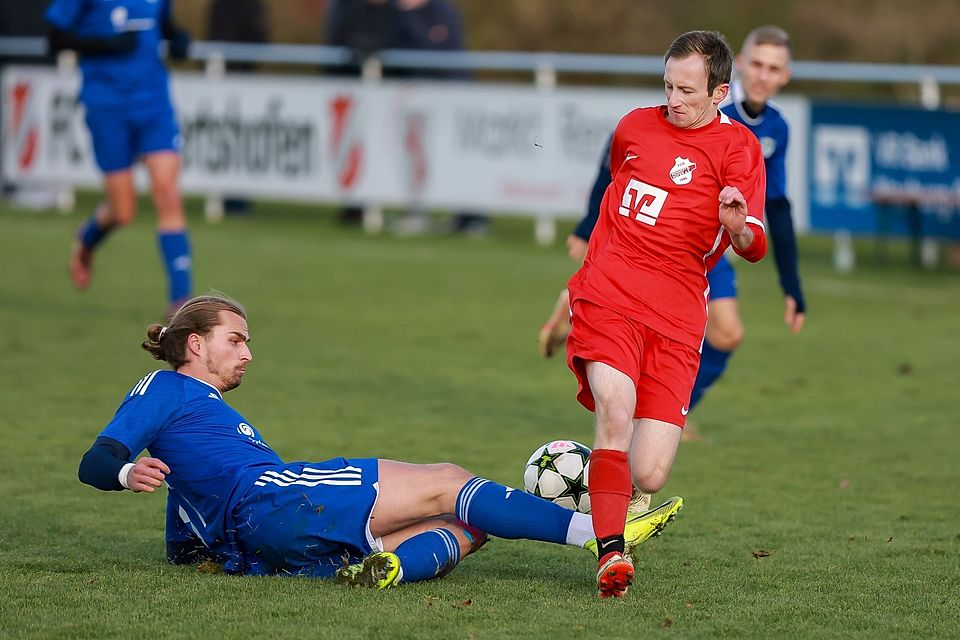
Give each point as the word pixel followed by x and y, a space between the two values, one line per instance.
pixel 929 249
pixel 545 228
pixel 66 66
pixel 215 68
pixel 371 74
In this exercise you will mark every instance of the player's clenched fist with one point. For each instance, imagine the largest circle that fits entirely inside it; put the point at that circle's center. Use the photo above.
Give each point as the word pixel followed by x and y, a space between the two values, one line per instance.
pixel 147 474
pixel 733 210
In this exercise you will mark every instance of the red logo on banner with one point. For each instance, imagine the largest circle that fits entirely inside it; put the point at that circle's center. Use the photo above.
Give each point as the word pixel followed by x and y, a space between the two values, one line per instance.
pixel 24 132
pixel 345 143
pixel 415 146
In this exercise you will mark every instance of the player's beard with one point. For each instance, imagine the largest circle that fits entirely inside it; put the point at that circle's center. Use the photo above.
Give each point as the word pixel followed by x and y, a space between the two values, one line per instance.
pixel 230 377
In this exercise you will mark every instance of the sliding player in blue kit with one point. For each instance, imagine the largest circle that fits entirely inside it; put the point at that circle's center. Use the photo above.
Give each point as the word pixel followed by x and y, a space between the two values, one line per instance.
pixel 763 69
pixel 232 499
pixel 130 116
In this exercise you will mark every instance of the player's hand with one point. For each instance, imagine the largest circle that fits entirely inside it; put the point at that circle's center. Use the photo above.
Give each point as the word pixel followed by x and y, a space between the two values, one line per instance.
pixel 733 210
pixel 179 44
pixel 147 474
pixel 576 248
pixel 791 317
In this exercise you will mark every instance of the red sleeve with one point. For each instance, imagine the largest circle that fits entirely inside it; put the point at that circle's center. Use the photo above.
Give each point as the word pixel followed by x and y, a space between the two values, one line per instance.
pixel 745 170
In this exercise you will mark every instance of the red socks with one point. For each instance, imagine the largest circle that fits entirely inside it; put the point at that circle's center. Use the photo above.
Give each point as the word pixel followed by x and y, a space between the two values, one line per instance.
pixel 610 487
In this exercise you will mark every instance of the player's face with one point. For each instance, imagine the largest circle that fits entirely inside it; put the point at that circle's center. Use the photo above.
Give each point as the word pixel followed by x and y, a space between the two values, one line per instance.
pixel 689 104
pixel 764 69
pixel 226 352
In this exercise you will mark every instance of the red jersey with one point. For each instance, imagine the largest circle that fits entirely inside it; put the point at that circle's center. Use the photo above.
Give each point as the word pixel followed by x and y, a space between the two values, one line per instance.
pixel 659 231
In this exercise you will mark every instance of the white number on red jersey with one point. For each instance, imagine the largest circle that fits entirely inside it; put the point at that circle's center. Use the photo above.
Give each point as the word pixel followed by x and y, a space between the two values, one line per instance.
pixel 646 199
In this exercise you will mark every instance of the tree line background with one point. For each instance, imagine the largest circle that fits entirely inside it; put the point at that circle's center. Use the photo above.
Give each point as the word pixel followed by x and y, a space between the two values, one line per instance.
pixel 893 31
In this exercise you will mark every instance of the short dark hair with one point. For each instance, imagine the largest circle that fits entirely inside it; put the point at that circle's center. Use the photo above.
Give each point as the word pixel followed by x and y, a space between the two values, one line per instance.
pixel 197 315
pixel 767 34
pixel 713 47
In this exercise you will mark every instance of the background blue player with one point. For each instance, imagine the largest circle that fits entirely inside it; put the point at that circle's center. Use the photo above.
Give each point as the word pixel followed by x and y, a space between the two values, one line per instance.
pixel 763 68
pixel 129 114
pixel 232 499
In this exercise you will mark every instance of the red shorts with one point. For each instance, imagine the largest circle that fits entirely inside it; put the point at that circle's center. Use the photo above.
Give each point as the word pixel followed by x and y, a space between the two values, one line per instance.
pixel 663 370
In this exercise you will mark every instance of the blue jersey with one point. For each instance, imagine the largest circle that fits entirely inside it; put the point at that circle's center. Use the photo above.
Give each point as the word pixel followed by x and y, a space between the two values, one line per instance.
pixel 214 454
pixel 771 129
pixel 134 79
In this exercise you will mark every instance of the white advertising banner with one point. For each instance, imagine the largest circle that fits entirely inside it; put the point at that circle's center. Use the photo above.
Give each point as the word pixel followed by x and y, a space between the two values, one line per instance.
pixel 44 137
pixel 474 146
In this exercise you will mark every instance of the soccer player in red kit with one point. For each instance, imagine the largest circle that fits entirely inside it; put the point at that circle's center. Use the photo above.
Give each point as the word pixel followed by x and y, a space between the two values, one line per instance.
pixel 687 182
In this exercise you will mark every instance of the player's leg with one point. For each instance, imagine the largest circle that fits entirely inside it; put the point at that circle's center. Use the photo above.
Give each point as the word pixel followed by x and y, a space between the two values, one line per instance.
pixel 423 551
pixel 652 453
pixel 113 150
pixel 415 501
pixel 172 237
pixel 159 142
pixel 603 351
pixel 663 392
pixel 615 396
pixel 724 329
pixel 610 485
pixel 412 493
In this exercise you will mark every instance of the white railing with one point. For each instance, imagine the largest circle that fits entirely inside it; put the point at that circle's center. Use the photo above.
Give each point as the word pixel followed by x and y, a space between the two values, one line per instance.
pixel 544 69
pixel 203 51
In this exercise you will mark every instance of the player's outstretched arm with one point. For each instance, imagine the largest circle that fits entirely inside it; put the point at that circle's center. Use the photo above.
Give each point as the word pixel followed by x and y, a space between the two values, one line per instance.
pixel 779 221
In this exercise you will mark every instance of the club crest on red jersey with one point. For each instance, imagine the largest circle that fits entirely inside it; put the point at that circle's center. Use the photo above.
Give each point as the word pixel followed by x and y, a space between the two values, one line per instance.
pixel 682 171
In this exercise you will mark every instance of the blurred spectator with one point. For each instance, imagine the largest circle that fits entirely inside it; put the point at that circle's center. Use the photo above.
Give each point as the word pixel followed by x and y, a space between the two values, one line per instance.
pixel 238 21
pixel 23 19
pixel 434 25
pixel 370 25
pixel 364 26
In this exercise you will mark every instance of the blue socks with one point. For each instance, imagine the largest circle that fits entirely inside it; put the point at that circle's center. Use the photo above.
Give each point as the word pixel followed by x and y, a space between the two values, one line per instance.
pixel 90 232
pixel 175 251
pixel 712 364
pixel 428 555
pixel 496 510
pixel 508 513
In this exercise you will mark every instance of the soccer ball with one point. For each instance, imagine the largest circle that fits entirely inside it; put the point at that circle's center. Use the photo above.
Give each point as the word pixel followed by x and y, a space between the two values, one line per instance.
pixel 558 471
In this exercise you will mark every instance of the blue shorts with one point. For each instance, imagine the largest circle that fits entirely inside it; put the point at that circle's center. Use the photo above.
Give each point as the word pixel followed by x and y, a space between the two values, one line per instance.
pixel 722 280
pixel 120 136
pixel 304 518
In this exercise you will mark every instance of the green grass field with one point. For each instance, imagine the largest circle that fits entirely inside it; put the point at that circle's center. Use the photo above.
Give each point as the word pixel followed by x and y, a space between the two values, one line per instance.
pixel 835 451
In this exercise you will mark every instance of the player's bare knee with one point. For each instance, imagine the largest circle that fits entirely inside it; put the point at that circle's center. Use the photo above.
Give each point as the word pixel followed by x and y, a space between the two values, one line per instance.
pixel 122 214
pixel 727 337
pixel 166 197
pixel 448 479
pixel 651 480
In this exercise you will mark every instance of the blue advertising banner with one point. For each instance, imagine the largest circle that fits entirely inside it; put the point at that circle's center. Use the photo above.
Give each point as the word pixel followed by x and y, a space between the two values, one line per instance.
pixel 883 169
